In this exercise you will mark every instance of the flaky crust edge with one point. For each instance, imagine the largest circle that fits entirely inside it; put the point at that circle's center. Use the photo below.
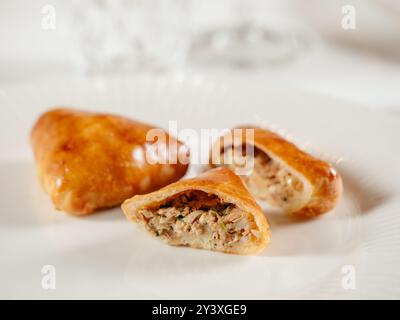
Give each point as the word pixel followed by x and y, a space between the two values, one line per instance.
pixel 323 177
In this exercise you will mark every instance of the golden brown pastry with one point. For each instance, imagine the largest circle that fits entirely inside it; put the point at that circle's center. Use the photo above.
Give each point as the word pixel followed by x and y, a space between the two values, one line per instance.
pixel 213 211
pixel 87 161
pixel 281 174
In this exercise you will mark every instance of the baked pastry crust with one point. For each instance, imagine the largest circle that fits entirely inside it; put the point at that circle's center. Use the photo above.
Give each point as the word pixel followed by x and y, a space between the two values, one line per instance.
pixel 88 161
pixel 324 180
pixel 221 182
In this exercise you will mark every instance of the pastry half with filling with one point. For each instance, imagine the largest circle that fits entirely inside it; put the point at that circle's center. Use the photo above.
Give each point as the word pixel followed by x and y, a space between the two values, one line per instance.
pixel 88 161
pixel 213 211
pixel 281 174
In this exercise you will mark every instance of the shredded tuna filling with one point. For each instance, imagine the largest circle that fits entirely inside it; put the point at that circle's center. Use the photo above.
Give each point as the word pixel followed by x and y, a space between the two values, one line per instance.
pixel 270 181
pixel 201 220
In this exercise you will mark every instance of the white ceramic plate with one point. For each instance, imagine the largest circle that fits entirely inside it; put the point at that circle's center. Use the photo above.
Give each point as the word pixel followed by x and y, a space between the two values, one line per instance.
pixel 351 252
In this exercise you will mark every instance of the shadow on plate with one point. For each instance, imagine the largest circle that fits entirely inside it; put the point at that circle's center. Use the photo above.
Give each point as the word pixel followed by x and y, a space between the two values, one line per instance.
pixel 25 204
pixel 364 190
pixel 337 231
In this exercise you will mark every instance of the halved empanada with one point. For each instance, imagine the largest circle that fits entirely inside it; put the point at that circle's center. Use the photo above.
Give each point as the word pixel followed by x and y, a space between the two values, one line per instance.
pixel 213 211
pixel 87 161
pixel 281 174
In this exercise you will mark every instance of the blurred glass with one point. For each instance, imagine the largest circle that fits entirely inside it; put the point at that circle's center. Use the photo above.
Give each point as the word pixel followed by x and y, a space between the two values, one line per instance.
pixel 249 37
pixel 160 35
pixel 245 45
pixel 127 35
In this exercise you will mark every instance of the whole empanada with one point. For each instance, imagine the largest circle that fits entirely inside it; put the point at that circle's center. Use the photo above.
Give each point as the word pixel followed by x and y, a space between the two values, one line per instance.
pixel 213 211
pixel 281 174
pixel 88 161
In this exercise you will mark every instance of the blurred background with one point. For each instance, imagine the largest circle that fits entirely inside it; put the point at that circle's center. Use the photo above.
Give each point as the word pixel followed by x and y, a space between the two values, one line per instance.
pixel 346 49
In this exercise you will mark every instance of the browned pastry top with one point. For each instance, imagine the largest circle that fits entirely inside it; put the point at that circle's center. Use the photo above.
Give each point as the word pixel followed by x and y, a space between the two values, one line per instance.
pixel 88 160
